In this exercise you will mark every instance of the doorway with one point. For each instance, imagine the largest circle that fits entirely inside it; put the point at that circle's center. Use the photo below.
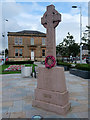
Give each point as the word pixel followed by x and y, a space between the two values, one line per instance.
pixel 32 55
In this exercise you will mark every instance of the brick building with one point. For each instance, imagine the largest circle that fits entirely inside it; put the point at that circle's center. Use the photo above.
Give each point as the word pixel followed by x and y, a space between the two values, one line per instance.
pixel 26 45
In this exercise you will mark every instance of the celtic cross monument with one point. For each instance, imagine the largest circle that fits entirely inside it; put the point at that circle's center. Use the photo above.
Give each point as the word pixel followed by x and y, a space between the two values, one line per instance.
pixel 50 20
pixel 51 93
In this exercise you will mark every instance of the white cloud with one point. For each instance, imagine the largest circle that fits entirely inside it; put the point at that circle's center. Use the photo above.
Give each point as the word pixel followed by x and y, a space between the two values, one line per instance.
pixel 45 0
pixel 48 0
pixel 70 24
pixel 11 9
pixel 53 1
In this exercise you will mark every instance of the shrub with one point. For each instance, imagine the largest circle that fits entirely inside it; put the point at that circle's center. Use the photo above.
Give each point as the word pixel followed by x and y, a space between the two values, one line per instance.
pixel 58 60
pixel 18 62
pixel 63 63
pixel 83 67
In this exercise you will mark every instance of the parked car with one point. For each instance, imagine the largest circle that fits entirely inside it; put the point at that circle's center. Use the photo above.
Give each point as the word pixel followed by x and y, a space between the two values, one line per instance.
pixel 88 60
pixel 83 58
pixel 64 59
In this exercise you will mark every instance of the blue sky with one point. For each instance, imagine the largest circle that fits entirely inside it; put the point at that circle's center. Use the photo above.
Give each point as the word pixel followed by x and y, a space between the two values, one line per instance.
pixel 64 7
pixel 27 16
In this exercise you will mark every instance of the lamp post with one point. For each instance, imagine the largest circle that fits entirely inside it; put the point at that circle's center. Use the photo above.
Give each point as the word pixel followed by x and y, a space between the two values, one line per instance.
pixel 4 35
pixel 80 31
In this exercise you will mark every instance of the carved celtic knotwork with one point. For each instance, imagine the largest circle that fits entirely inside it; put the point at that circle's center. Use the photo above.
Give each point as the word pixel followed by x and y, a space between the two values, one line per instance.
pixel 53 15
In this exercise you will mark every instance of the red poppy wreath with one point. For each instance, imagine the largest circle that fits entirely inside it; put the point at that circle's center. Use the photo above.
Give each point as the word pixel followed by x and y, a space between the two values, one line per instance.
pixel 50 61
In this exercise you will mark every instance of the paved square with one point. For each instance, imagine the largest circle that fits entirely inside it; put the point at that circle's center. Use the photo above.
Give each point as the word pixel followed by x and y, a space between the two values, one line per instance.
pixel 18 93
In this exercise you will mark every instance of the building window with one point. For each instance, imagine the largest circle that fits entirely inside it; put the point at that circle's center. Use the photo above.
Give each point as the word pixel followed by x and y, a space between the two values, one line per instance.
pixel 32 41
pixel 43 52
pixel 20 41
pixel 16 41
pixel 43 41
pixel 16 52
pixel 20 52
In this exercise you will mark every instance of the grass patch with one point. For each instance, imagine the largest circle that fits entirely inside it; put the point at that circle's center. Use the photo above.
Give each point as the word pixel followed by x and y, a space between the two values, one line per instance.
pixel 2 67
pixel 11 72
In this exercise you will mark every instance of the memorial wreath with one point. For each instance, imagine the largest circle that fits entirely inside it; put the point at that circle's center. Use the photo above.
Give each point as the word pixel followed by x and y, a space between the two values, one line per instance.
pixel 50 61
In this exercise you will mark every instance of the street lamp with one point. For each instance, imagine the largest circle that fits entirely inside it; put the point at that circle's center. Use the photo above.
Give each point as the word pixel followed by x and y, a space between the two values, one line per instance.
pixel 80 31
pixel 4 35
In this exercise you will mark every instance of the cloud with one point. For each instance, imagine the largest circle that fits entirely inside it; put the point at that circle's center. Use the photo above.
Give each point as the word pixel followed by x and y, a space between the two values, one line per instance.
pixel 8 11
pixel 70 24
pixel 11 9
pixel 30 21
pixel 44 0
pixel 51 0
pixel 33 6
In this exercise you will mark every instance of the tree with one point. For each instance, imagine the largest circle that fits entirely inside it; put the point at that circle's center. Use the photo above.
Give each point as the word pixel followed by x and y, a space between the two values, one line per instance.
pixel 74 49
pixel 68 47
pixel 69 40
pixel 86 40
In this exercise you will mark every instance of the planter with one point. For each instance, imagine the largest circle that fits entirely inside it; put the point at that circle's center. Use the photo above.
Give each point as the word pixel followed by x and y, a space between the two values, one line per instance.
pixel 80 73
pixel 26 71
pixel 66 68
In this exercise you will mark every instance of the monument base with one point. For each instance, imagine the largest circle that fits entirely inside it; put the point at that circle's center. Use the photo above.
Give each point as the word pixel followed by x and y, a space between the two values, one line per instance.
pixel 62 110
pixel 51 93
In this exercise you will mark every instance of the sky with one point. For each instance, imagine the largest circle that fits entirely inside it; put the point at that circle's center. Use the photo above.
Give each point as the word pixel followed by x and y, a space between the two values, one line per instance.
pixel 27 16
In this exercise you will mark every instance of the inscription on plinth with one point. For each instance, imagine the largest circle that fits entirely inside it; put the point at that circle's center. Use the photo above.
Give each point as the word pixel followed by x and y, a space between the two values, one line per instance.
pixel 47 95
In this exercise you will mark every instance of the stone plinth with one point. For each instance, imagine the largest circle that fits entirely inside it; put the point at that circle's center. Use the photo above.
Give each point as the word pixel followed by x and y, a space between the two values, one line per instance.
pixel 51 93
pixel 26 71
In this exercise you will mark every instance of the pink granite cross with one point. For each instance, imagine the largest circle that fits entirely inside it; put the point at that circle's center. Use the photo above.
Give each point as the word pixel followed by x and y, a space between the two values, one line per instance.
pixel 50 20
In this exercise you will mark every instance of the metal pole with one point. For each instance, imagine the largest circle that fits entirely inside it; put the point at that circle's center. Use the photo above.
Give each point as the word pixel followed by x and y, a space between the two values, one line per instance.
pixel 5 20
pixel 80 35
pixel 4 39
pixel 80 31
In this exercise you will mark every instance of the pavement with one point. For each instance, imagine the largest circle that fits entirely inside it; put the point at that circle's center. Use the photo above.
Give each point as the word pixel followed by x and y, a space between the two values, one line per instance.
pixel 18 93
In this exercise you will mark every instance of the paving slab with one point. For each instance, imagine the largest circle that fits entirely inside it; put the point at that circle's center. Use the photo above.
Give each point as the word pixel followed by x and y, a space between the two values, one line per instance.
pixel 18 93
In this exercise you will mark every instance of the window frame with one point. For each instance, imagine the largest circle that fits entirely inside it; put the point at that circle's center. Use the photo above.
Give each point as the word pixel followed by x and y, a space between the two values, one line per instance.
pixel 16 39
pixel 43 53
pixel 20 41
pixel 16 52
pixel 32 41
pixel 20 52
pixel 43 41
